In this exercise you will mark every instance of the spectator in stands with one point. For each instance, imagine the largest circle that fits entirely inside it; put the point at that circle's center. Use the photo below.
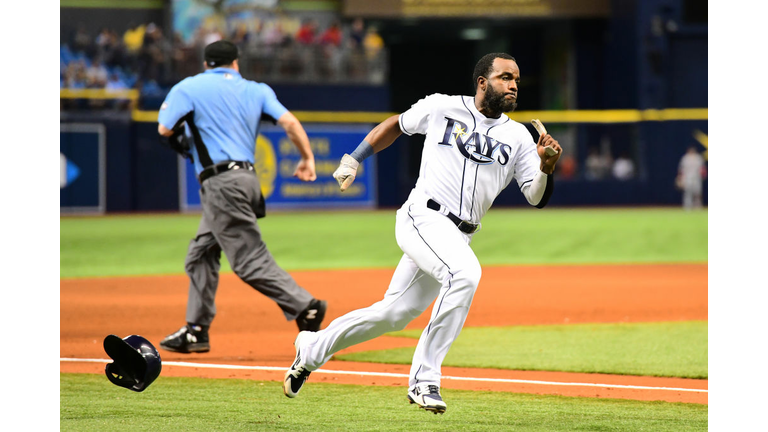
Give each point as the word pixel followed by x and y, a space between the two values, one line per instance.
pixel 81 41
pixel 240 35
pixel 307 32
pixel 373 42
pixel 114 83
pixel 330 42
pixel 96 75
pixel 623 167
pixel 110 49
pixel 357 34
pixel 332 35
pixel 75 76
pixel 103 39
pixel 567 168
pixel 273 34
pixel 133 38
pixel 152 56
pixel 211 36
pixel 597 166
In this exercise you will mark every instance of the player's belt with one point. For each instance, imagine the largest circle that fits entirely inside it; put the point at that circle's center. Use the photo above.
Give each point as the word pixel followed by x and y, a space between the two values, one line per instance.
pixel 224 167
pixel 464 226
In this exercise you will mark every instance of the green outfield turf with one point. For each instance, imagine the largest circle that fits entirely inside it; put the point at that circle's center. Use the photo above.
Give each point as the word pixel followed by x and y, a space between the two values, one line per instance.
pixel 668 349
pixel 146 245
pixel 90 402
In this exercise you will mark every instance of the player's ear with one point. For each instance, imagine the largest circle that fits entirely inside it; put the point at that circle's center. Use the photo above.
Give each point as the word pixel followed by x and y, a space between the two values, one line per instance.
pixel 481 83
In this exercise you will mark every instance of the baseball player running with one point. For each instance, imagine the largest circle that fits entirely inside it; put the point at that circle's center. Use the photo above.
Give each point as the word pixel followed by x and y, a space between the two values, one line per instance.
pixel 222 111
pixel 472 151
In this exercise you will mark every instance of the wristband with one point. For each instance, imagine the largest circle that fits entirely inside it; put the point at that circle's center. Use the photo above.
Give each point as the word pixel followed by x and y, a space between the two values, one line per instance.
pixel 364 150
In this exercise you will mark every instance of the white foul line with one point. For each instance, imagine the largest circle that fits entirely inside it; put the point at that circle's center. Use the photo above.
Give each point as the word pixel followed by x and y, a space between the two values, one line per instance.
pixel 399 375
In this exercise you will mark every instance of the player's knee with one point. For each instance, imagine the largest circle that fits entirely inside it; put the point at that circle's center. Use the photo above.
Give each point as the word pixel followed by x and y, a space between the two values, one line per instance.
pixel 469 275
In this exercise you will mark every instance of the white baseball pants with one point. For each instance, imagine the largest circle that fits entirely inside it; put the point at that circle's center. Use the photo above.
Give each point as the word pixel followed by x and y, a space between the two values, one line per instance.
pixel 438 265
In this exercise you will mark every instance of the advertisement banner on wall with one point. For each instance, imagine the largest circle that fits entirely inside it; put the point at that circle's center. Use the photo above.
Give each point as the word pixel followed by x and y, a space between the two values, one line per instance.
pixel 82 175
pixel 275 160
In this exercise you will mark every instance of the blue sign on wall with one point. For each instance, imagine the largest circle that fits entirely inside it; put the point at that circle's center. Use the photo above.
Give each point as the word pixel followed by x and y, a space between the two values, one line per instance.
pixel 276 159
pixel 82 187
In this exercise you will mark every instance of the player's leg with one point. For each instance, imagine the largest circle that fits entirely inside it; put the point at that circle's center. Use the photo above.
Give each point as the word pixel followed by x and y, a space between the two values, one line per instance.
pixel 410 293
pixel 441 250
pixel 202 266
pixel 233 197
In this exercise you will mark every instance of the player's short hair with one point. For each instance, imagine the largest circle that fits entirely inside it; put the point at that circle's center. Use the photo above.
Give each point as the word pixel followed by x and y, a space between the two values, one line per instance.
pixel 485 65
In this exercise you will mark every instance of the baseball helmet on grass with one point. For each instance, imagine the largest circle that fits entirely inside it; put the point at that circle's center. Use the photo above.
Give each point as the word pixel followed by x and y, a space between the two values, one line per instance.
pixel 136 362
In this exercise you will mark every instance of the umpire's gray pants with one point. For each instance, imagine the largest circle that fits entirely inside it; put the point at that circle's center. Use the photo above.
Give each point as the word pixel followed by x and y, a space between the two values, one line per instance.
pixel 229 223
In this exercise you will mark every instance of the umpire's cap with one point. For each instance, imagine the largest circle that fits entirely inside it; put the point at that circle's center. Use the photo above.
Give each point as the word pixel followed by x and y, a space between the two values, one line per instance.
pixel 136 362
pixel 220 53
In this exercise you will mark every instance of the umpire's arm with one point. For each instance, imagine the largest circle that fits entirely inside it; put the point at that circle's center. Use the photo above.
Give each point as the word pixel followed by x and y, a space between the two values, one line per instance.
pixel 305 170
pixel 164 131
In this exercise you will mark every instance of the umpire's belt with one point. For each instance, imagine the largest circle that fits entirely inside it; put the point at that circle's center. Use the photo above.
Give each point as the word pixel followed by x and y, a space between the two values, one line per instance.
pixel 464 226
pixel 224 167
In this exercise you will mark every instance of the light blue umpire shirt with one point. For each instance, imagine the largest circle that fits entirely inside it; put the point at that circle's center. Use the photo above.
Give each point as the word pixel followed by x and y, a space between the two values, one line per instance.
pixel 222 111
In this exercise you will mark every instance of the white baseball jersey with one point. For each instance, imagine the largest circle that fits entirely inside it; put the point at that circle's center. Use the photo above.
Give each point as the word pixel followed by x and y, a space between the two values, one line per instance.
pixel 468 159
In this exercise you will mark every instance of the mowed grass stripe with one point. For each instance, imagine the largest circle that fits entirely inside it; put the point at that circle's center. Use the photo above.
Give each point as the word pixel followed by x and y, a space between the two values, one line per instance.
pixel 157 244
pixel 667 349
pixel 90 402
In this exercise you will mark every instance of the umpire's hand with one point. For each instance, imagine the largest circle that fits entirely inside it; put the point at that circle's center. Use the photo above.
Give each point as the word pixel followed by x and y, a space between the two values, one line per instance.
pixel 305 170
pixel 345 173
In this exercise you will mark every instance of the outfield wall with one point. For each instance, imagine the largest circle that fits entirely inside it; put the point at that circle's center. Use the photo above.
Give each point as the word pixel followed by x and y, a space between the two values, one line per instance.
pixel 118 164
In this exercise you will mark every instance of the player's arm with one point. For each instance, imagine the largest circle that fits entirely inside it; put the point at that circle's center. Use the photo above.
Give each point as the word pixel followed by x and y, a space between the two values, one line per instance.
pixel 538 190
pixel 305 170
pixel 379 138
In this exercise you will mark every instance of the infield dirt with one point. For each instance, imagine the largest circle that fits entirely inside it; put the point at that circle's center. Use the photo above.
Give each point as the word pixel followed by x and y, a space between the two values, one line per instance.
pixel 250 329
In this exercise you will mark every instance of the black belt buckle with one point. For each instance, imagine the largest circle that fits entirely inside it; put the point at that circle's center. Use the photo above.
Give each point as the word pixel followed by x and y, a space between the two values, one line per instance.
pixel 467 227
pixel 224 167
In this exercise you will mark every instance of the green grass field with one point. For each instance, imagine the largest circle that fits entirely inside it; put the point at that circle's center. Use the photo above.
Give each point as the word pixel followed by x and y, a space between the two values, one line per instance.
pixel 192 404
pixel 671 349
pixel 146 245
pixel 156 245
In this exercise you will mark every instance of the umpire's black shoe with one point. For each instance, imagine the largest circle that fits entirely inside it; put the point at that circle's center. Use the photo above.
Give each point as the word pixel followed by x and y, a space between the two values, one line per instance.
pixel 313 315
pixel 191 338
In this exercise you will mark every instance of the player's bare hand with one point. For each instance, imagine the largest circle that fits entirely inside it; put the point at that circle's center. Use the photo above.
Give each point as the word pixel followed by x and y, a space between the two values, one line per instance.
pixel 548 159
pixel 305 170
pixel 346 172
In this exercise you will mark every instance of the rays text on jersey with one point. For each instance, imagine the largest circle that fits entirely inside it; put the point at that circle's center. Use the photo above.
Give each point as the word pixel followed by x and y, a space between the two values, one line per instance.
pixel 478 148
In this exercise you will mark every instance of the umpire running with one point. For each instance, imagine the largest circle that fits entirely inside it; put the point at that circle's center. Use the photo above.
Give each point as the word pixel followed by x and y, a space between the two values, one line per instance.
pixel 221 112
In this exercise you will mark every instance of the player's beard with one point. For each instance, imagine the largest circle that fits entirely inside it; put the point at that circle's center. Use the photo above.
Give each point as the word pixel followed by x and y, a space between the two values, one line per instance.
pixel 496 102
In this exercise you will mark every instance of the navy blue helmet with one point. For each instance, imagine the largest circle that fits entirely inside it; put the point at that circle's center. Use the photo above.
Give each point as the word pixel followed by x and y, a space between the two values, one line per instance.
pixel 136 362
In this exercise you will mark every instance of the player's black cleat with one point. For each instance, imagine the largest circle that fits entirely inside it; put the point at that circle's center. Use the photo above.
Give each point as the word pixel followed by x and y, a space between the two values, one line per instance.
pixel 313 315
pixel 297 375
pixel 189 339
pixel 427 396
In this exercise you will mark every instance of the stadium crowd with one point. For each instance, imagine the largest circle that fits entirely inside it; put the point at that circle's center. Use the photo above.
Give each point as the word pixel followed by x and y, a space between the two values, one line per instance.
pixel 145 58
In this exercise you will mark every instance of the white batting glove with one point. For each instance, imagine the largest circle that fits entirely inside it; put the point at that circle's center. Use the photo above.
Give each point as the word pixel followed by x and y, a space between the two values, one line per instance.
pixel 345 173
